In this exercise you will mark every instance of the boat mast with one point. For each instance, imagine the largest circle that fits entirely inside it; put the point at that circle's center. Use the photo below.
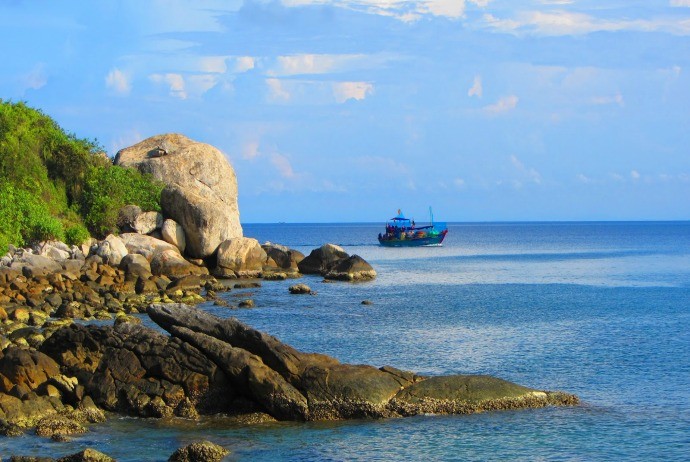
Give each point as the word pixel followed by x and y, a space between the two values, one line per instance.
pixel 431 214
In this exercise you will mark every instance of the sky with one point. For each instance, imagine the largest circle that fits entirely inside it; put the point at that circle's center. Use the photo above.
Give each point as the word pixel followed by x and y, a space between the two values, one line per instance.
pixel 348 110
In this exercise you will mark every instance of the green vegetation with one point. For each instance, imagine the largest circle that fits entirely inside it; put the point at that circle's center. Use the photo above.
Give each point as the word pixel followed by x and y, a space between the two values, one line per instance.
pixel 54 185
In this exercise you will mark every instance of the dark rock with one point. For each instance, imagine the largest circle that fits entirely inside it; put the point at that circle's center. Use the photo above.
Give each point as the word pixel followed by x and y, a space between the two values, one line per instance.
pixel 247 303
pixel 126 218
pixel 300 289
pixel 367 302
pixel 321 260
pixel 353 268
pixel 27 367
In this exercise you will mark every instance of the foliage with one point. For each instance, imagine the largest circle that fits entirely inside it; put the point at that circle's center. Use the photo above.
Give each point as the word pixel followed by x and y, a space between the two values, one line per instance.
pixel 76 234
pixel 109 188
pixel 51 180
pixel 24 218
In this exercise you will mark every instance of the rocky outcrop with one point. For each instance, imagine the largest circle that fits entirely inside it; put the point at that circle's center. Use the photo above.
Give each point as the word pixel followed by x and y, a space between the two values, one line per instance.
pixel 200 192
pixel 203 451
pixel 112 249
pixel 240 257
pixel 282 257
pixel 332 262
pixel 289 384
pixel 136 370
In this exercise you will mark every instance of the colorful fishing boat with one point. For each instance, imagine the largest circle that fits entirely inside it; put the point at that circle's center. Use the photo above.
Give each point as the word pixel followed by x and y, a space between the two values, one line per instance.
pixel 403 232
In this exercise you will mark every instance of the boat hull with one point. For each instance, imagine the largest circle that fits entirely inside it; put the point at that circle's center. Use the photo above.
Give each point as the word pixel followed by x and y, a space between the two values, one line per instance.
pixel 413 242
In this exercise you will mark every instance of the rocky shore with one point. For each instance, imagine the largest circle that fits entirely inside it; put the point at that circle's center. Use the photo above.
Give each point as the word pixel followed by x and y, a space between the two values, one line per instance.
pixel 59 375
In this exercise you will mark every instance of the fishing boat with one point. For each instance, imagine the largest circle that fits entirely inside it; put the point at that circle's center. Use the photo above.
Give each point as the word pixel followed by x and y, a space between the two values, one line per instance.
pixel 403 232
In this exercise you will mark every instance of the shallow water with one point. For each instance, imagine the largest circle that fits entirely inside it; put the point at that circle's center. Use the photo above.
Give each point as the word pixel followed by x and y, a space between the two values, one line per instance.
pixel 596 309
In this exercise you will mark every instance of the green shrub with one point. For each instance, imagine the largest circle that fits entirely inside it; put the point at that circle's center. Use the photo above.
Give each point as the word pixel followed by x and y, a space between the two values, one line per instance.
pixel 109 188
pixel 48 176
pixel 76 234
pixel 25 218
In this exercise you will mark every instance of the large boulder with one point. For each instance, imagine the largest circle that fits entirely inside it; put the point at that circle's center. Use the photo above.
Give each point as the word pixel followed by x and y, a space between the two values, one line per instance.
pixel 332 262
pixel 112 249
pixel 321 260
pixel 148 222
pixel 145 245
pixel 200 192
pixel 170 263
pixel 353 268
pixel 203 451
pixel 240 257
pixel 35 265
pixel 282 257
pixel 173 234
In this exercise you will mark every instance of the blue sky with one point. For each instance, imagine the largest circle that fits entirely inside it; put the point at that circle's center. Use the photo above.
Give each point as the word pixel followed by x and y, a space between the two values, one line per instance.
pixel 488 110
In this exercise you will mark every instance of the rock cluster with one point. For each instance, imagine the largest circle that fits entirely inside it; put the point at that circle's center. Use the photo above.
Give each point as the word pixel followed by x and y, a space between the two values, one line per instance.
pixel 332 262
pixel 200 192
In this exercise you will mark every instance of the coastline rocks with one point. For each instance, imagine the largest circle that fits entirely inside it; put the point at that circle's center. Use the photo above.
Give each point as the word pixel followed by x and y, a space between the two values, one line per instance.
pixel 291 385
pixel 282 257
pixel 353 268
pixel 148 246
pixel 240 257
pixel 136 370
pixel 203 451
pixel 171 264
pixel 148 222
pixel 111 249
pixel 332 262
pixel 200 192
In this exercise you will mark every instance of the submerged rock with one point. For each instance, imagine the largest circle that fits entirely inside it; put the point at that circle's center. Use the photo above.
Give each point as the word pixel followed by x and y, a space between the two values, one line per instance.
pixel 204 451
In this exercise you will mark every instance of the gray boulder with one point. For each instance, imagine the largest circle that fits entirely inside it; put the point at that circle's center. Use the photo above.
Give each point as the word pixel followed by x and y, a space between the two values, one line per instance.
pixel 200 192
pixel 148 222
pixel 111 249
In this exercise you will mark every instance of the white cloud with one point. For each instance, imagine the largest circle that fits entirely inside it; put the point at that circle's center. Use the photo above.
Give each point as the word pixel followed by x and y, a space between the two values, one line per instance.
pixel 282 164
pixel 604 100
pixel 304 64
pixel 680 3
pixel 558 23
pixel 634 174
pixel 244 64
pixel 175 83
pixel 276 91
pixel 402 10
pixel 503 105
pixel 528 174
pixel 344 91
pixel 250 150
pixel 36 78
pixel 459 183
pixel 118 81
pixel 213 64
pixel 583 178
pixel 477 89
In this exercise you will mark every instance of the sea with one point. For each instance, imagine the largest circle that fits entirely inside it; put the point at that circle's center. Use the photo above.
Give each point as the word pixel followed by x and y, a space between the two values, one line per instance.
pixel 599 309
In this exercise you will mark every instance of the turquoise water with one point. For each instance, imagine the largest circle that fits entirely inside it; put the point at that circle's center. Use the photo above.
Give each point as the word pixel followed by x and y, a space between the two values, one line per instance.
pixel 597 309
